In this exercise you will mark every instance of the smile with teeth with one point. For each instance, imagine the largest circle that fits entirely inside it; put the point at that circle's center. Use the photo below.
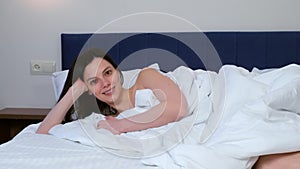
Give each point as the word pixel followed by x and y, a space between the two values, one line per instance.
pixel 108 92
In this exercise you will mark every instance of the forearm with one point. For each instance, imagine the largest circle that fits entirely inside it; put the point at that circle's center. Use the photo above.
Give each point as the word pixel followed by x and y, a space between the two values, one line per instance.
pixel 58 112
pixel 154 117
pixel 172 104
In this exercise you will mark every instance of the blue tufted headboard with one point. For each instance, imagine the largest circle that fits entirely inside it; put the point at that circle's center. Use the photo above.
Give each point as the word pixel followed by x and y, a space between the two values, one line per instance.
pixel 246 49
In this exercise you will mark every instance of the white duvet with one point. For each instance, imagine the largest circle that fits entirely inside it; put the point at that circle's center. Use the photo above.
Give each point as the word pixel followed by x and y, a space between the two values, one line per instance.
pixel 239 116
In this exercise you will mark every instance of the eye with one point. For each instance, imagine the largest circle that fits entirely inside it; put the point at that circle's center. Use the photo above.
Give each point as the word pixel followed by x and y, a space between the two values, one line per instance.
pixel 93 81
pixel 108 72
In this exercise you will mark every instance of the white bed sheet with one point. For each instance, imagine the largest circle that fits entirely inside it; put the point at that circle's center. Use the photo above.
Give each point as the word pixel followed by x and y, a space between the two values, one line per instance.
pixel 35 151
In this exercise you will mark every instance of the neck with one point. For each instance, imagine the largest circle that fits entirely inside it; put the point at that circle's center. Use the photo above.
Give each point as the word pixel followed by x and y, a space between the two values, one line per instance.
pixel 124 102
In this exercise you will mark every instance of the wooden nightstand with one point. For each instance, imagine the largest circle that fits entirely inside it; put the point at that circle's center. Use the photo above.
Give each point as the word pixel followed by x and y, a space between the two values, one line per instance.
pixel 13 120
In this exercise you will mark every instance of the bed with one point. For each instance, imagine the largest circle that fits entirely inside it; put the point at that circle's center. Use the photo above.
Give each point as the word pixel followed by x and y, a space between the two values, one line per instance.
pixel 264 66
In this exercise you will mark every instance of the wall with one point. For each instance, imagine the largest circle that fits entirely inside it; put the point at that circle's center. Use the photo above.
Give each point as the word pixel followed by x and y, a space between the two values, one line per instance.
pixel 30 30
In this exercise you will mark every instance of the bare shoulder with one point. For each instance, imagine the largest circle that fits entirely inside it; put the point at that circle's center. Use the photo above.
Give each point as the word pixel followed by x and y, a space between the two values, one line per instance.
pixel 146 72
pixel 144 77
pixel 152 78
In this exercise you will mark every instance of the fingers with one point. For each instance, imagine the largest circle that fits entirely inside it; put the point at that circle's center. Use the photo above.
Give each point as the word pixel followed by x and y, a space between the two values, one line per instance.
pixel 109 118
pixel 78 88
pixel 82 85
pixel 105 124
pixel 98 125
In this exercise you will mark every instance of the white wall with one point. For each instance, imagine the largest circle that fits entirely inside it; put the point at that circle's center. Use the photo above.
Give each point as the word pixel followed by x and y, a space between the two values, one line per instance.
pixel 30 30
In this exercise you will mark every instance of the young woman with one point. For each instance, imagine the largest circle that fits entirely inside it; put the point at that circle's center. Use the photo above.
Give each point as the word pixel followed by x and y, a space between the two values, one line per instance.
pixel 98 81
pixel 94 84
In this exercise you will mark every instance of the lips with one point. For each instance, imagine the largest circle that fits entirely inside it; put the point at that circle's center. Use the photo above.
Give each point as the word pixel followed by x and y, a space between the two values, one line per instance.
pixel 108 92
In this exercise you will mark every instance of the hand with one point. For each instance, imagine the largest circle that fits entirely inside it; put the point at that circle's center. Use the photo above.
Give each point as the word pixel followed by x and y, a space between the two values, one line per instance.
pixel 78 88
pixel 111 123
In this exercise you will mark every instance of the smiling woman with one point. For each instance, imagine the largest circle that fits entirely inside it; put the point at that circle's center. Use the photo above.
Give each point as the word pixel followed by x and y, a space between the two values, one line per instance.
pixel 92 67
pixel 99 76
pixel 95 73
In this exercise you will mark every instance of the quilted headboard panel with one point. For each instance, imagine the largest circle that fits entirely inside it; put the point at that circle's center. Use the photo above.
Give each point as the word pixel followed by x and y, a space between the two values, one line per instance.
pixel 246 49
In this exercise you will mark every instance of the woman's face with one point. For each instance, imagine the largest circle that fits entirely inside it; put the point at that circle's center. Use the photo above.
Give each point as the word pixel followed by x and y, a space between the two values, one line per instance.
pixel 103 80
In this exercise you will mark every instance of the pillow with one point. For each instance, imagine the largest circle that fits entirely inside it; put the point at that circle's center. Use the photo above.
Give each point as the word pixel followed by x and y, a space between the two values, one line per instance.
pixel 285 98
pixel 59 78
pixel 58 81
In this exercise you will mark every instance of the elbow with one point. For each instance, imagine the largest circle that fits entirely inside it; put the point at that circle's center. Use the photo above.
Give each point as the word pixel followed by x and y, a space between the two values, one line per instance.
pixel 38 131
pixel 178 108
pixel 178 112
pixel 182 112
pixel 42 130
pixel 182 109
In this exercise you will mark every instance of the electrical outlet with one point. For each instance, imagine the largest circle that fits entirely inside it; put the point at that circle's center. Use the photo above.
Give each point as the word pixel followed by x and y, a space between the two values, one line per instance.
pixel 41 67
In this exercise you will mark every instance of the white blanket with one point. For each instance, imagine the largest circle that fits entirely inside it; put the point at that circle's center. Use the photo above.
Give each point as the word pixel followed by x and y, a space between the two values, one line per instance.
pixel 152 141
pixel 239 115
pixel 256 113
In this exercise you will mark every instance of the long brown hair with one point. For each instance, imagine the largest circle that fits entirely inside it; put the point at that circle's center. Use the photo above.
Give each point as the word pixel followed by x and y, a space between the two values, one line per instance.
pixel 86 104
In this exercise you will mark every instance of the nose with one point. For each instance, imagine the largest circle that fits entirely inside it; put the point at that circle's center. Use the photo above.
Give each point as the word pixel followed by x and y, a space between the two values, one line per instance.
pixel 105 83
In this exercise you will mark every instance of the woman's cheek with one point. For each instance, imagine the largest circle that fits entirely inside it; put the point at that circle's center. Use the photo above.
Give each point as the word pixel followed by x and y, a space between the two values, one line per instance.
pixel 92 90
pixel 96 91
pixel 116 78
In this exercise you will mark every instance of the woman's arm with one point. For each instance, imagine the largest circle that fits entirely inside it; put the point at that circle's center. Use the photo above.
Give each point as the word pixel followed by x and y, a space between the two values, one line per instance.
pixel 172 107
pixel 279 161
pixel 58 112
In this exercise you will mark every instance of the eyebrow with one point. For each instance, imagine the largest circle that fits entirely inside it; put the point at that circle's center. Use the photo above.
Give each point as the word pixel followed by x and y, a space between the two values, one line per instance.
pixel 108 67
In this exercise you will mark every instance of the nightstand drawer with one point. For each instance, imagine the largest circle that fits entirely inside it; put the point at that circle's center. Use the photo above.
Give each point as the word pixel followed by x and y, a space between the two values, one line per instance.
pixel 13 120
